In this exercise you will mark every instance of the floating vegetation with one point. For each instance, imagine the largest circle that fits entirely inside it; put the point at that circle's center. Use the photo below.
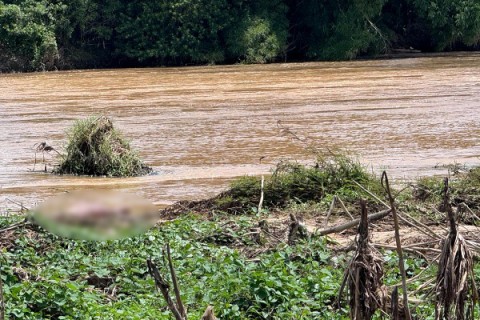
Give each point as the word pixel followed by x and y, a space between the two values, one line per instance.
pixel 96 148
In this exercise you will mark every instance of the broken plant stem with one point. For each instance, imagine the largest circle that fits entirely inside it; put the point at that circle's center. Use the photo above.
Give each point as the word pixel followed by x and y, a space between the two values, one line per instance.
pixel 332 205
pixel 164 288
pixel 260 203
pixel 176 289
pixel 401 264
pixel 394 305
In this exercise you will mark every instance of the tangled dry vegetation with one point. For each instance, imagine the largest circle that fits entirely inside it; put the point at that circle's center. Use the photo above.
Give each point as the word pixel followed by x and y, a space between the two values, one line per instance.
pixel 96 148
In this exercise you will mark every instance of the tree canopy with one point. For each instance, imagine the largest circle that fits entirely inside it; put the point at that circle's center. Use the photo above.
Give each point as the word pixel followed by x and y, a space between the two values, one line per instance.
pixel 60 34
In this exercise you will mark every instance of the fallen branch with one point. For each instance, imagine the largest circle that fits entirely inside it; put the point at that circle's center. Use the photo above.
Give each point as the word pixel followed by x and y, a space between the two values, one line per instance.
pixel 342 227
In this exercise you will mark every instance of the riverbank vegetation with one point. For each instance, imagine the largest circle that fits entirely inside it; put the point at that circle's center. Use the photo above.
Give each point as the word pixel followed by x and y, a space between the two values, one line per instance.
pixel 96 148
pixel 284 258
pixel 57 34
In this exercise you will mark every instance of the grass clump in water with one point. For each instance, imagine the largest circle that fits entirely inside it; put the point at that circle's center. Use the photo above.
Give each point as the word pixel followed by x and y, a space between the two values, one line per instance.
pixel 96 148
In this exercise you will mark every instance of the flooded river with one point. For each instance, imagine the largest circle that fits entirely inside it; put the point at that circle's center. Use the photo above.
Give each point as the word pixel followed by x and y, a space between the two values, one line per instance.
pixel 199 127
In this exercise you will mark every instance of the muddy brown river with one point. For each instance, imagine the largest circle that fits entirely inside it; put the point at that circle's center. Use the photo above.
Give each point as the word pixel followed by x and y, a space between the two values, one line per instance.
pixel 199 127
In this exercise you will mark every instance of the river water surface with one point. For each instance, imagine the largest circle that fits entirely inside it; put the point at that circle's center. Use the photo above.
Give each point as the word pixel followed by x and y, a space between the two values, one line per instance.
pixel 199 127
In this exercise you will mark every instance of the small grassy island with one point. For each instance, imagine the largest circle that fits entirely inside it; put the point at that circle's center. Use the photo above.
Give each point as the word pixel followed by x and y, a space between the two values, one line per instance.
pixel 96 148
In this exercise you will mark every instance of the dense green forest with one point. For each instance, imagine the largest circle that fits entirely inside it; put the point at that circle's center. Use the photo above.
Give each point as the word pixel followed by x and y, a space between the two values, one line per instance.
pixel 60 34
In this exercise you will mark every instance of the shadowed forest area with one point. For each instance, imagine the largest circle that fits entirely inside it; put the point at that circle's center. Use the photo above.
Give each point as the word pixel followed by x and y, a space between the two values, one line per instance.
pixel 56 34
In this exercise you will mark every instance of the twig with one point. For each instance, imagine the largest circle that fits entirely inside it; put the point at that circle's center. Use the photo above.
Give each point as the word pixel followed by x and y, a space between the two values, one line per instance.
pixel 420 244
pixel 345 208
pixel 470 211
pixel 401 264
pixel 163 286
pixel 371 194
pixel 351 224
pixel 22 207
pixel 411 250
pixel 419 224
pixel 423 285
pixel 260 203
pixel 15 225
pixel 421 272
pixel 176 289
pixel 332 205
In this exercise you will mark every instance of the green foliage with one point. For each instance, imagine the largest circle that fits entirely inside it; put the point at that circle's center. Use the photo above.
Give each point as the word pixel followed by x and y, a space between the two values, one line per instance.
pixel 27 36
pixel 96 148
pixel 261 35
pixel 49 277
pixel 49 34
pixel 471 180
pixel 450 22
pixel 336 30
pixel 350 31
pixel 179 31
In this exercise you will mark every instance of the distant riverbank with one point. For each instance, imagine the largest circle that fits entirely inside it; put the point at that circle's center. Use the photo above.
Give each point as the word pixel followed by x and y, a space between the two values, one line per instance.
pixel 59 35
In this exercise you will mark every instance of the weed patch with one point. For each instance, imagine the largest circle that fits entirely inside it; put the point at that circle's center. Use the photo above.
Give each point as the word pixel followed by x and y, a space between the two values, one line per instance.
pixel 292 182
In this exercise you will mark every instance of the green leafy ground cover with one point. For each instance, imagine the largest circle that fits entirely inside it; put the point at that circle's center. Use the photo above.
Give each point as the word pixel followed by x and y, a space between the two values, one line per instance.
pixel 218 261
pixel 47 277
